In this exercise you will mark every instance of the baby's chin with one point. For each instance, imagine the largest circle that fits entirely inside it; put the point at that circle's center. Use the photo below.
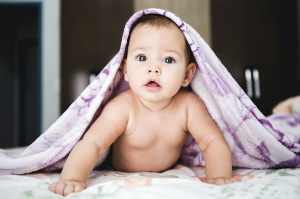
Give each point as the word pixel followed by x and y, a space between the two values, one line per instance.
pixel 159 95
pixel 156 99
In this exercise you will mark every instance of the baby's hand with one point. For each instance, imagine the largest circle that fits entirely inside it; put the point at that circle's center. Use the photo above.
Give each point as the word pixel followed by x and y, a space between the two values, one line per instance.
pixel 223 181
pixel 66 187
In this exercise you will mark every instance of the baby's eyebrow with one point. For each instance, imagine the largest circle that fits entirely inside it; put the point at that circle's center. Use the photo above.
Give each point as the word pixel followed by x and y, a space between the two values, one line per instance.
pixel 168 50
pixel 139 48
pixel 172 51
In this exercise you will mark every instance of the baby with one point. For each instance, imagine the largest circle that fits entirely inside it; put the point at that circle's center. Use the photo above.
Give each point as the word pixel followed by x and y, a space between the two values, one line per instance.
pixel 147 124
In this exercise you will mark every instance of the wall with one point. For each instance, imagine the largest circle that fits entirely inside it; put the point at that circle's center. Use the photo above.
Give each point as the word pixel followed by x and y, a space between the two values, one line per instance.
pixel 91 33
pixel 298 43
pixel 261 34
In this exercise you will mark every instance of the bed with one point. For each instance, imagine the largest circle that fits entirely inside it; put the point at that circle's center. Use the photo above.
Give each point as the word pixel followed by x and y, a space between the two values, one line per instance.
pixel 178 182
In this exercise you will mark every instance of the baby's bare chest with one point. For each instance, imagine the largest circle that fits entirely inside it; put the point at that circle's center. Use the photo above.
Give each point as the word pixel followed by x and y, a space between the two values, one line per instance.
pixel 150 131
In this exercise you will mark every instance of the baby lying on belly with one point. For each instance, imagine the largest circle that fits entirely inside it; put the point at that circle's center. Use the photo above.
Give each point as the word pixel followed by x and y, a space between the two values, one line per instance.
pixel 147 124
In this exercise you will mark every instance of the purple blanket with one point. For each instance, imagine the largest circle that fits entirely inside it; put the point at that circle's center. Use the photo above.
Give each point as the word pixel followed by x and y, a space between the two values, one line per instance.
pixel 253 140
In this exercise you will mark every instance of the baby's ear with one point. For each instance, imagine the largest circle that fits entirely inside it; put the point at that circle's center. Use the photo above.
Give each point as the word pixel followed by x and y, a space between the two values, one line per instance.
pixel 190 71
pixel 124 69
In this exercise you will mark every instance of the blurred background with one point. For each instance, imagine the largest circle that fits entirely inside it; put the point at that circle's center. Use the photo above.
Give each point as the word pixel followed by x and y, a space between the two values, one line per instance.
pixel 51 49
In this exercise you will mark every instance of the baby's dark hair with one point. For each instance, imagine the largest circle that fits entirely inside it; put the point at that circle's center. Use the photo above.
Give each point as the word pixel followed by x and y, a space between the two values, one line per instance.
pixel 158 21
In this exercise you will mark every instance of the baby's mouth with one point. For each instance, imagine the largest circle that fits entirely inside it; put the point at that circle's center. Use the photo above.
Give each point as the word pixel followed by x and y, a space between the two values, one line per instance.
pixel 152 84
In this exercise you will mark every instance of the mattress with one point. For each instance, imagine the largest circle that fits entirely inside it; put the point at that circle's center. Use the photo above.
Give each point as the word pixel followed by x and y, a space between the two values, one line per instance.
pixel 178 182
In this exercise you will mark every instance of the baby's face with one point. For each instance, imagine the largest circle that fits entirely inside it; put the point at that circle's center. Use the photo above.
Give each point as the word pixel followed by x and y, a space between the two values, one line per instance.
pixel 156 62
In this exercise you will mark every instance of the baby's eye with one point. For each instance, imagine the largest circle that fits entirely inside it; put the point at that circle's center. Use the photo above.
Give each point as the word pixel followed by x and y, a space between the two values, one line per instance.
pixel 141 58
pixel 169 60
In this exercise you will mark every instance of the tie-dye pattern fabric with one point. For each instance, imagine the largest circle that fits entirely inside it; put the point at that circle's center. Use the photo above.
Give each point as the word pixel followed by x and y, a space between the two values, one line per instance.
pixel 253 140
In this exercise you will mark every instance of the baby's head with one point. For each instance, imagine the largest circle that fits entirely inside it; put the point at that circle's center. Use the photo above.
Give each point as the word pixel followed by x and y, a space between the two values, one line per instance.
pixel 158 59
pixel 157 21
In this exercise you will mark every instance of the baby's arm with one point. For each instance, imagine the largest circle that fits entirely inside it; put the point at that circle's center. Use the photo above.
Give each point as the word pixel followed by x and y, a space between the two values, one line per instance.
pixel 82 159
pixel 211 142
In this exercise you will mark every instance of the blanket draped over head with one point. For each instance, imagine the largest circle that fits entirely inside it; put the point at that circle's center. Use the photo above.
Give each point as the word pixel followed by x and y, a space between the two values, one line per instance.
pixel 253 140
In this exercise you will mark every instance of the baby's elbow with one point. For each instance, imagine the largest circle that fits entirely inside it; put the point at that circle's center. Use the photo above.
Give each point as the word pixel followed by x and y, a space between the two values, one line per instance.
pixel 92 142
pixel 205 142
pixel 210 141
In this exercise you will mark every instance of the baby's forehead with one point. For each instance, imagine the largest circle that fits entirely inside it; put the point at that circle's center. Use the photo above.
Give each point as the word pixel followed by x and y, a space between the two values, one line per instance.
pixel 169 29
pixel 170 26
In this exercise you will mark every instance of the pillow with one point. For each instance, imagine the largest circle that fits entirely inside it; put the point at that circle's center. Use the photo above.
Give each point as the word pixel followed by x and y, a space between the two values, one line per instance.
pixel 290 105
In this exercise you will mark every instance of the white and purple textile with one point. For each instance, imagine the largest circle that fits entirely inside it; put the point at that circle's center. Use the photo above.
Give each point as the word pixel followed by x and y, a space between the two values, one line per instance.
pixel 253 141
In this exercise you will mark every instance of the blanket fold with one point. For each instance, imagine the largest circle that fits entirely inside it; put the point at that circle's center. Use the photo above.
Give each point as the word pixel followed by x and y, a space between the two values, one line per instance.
pixel 255 141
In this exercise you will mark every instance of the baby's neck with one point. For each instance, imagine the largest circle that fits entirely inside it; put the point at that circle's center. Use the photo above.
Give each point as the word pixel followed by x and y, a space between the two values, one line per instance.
pixel 156 106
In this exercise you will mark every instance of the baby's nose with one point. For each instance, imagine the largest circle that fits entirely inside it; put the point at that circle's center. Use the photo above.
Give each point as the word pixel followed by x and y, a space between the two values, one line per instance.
pixel 155 70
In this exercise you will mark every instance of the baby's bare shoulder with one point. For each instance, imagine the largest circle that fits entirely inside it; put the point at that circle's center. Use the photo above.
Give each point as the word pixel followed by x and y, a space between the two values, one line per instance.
pixel 125 99
pixel 189 99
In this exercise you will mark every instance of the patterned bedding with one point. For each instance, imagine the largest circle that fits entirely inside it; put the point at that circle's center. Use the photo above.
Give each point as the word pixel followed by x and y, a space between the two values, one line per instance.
pixel 178 182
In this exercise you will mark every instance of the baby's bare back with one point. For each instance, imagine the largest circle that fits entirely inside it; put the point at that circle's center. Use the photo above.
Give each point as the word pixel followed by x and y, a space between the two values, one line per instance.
pixel 152 140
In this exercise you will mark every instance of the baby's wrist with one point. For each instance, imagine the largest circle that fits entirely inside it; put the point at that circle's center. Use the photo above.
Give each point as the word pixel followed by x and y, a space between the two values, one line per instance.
pixel 218 177
pixel 71 180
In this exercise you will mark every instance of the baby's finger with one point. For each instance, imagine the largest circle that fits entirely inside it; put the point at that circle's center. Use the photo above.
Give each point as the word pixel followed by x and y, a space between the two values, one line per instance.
pixel 236 179
pixel 60 187
pixel 78 188
pixel 53 186
pixel 219 182
pixel 229 181
pixel 68 189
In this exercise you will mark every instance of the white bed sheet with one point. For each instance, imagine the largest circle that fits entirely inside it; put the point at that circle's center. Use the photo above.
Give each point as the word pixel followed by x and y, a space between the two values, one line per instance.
pixel 178 182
